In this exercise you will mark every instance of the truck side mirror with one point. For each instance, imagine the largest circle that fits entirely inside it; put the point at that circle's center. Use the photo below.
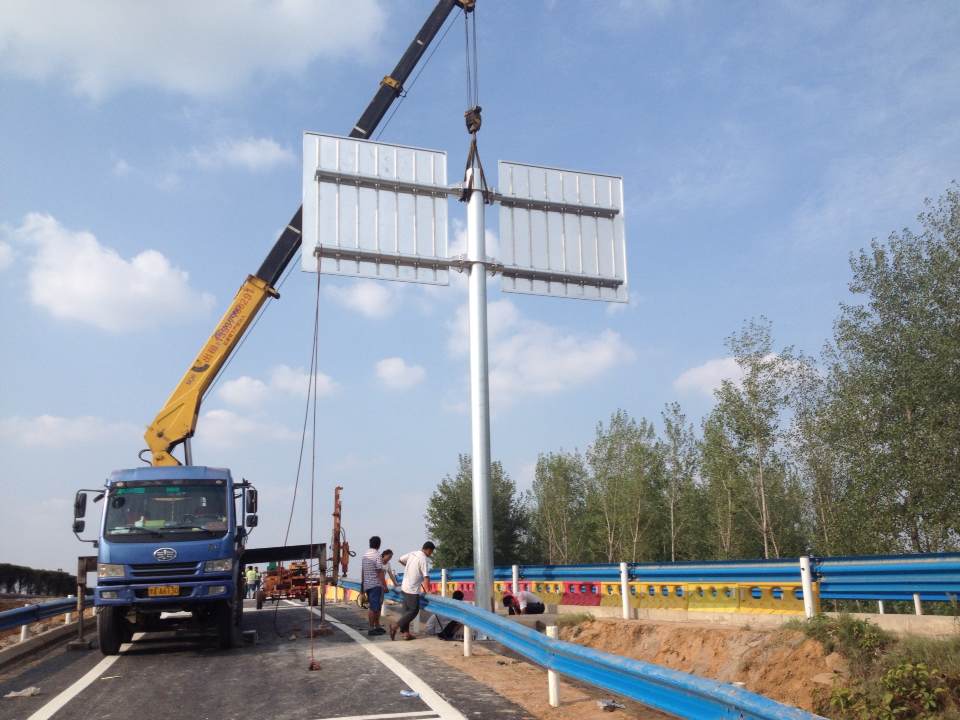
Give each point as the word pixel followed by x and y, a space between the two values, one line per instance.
pixel 80 504
pixel 251 500
pixel 79 526
pixel 251 521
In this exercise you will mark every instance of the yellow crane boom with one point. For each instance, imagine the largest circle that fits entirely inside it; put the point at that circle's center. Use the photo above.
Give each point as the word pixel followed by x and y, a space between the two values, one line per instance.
pixel 177 420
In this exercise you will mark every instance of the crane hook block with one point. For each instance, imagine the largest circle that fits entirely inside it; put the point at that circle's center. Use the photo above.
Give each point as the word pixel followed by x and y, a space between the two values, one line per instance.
pixel 472 118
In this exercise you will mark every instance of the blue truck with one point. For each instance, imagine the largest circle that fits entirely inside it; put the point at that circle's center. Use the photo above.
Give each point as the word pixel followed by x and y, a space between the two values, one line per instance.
pixel 173 539
pixel 172 536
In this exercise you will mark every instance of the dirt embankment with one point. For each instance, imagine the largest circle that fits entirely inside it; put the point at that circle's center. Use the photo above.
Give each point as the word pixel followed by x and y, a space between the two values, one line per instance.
pixel 784 665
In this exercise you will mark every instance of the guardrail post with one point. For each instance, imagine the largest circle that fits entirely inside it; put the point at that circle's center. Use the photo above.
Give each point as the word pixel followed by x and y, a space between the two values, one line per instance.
pixel 24 631
pixel 443 582
pixel 880 606
pixel 806 580
pixel 916 604
pixel 467 641
pixel 624 594
pixel 515 575
pixel 553 680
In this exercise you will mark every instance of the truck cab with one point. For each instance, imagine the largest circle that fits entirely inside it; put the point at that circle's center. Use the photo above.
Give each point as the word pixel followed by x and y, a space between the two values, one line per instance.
pixel 171 540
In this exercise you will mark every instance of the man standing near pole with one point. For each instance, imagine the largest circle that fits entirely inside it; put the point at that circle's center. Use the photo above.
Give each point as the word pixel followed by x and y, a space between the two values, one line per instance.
pixel 373 584
pixel 416 579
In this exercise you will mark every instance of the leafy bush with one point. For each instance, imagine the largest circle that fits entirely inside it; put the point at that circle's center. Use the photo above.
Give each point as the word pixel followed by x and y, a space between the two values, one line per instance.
pixel 904 692
pixel 859 640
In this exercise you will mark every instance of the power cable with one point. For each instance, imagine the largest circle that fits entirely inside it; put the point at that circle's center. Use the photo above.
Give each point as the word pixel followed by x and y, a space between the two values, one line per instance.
pixel 314 665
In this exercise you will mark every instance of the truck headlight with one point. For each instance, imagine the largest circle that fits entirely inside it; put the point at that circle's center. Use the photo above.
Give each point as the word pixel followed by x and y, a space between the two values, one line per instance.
pixel 106 570
pixel 225 565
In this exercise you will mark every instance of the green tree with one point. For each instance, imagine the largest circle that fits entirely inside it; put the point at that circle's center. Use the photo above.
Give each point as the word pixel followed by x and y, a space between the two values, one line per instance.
pixel 680 450
pixel 449 518
pixel 558 504
pixel 893 386
pixel 751 413
pixel 624 496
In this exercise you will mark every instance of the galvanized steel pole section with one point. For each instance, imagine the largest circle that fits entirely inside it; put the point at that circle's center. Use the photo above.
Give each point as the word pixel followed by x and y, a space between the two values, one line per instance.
pixel 479 398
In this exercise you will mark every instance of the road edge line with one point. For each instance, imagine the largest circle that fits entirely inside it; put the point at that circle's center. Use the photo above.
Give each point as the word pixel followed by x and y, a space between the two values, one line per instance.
pixel 430 696
pixel 59 701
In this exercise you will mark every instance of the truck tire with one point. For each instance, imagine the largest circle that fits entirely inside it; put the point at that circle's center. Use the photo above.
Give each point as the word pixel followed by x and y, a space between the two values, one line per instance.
pixel 109 630
pixel 226 626
pixel 260 598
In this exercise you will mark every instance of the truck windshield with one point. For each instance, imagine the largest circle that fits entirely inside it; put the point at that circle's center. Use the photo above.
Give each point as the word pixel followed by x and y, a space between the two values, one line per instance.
pixel 149 511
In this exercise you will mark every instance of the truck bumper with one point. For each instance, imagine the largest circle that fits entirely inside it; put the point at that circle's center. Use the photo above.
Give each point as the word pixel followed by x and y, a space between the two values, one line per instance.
pixel 207 590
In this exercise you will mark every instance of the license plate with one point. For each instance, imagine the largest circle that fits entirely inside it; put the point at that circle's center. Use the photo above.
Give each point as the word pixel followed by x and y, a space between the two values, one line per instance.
pixel 163 591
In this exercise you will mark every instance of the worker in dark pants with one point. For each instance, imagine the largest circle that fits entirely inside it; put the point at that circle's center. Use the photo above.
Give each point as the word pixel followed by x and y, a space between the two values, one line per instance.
pixel 525 603
pixel 416 580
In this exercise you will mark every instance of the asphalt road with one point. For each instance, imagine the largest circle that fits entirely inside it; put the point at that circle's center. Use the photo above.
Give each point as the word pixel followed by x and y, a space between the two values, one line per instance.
pixel 165 676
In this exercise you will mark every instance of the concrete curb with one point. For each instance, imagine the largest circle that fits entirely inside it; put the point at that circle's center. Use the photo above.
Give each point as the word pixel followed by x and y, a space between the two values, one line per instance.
pixel 36 643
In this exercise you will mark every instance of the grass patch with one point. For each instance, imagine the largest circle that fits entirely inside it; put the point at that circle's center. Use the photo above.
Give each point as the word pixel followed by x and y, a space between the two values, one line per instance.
pixel 911 678
pixel 573 619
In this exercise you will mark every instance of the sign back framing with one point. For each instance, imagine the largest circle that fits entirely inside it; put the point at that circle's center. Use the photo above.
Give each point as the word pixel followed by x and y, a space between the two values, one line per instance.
pixel 374 210
pixel 561 233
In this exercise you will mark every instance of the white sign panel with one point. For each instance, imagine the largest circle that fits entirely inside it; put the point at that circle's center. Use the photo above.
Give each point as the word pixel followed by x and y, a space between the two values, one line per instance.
pixel 374 210
pixel 561 233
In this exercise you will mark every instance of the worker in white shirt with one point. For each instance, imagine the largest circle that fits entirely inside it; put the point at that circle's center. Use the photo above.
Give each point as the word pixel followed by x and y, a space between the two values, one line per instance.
pixel 416 579
pixel 525 603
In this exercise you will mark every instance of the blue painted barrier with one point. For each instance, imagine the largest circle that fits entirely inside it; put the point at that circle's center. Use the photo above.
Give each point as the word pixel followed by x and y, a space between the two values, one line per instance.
pixel 671 691
pixel 936 577
pixel 33 613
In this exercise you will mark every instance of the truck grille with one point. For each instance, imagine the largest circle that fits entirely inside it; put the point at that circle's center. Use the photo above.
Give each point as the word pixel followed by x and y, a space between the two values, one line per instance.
pixel 159 570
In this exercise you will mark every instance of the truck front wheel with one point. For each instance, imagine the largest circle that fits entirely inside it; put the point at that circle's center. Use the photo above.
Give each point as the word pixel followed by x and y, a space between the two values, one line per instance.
pixel 110 629
pixel 226 627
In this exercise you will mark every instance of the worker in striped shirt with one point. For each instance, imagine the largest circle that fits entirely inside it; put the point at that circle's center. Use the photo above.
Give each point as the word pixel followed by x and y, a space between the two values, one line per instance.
pixel 373 583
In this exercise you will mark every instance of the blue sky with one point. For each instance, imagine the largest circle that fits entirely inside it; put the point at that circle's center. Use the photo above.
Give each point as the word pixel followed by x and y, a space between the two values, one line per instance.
pixel 149 155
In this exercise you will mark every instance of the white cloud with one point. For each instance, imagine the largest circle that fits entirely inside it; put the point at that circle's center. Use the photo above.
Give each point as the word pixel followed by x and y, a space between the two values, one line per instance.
pixel 73 277
pixel 249 392
pixel 528 357
pixel 254 154
pixel 244 391
pixel 6 256
pixel 100 47
pixel 707 378
pixel 296 381
pixel 224 429
pixel 367 297
pixel 616 308
pixel 121 168
pixel 395 374
pixel 52 431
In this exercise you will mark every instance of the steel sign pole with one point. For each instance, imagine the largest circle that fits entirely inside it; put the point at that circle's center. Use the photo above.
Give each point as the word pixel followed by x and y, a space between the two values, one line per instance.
pixel 479 400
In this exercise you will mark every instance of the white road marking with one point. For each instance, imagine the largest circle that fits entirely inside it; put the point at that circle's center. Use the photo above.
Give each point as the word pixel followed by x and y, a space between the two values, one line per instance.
pixel 57 703
pixel 443 709
pixel 421 715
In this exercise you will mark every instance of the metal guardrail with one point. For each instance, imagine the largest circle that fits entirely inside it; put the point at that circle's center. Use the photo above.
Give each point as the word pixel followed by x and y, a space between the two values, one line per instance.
pixel 671 691
pixel 717 572
pixel 36 612
pixel 934 577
